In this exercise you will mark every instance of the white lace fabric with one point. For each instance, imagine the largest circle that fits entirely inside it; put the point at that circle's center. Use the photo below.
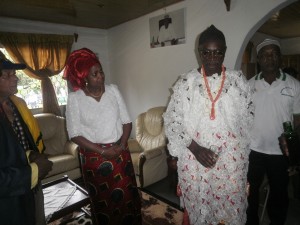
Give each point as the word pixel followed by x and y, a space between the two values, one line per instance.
pixel 211 195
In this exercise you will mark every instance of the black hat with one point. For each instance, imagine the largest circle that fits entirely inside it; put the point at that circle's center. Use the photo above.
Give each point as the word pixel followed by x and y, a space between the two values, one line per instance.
pixel 5 64
pixel 211 33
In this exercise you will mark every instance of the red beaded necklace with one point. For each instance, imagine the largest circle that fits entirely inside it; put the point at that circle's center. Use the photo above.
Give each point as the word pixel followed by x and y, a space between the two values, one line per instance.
pixel 213 101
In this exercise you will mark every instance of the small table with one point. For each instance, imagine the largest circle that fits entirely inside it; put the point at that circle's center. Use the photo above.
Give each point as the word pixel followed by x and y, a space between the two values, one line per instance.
pixel 78 200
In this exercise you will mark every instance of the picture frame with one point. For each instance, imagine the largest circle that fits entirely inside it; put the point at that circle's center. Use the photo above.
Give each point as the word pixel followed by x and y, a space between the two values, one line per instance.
pixel 167 29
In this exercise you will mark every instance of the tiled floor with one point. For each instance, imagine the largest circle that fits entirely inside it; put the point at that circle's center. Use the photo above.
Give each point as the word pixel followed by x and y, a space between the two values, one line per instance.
pixel 162 188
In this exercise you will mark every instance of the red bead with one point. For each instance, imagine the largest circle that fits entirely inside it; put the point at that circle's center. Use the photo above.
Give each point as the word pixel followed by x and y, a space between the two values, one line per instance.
pixel 212 113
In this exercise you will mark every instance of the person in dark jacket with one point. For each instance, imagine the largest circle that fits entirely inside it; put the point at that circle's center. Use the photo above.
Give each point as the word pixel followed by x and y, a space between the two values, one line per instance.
pixel 22 164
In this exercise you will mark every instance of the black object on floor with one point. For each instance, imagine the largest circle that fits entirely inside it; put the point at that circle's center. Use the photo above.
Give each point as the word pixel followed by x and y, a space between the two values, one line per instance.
pixel 164 192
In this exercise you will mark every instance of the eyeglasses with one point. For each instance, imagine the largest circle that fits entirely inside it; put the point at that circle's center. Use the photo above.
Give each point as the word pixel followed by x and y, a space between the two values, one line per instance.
pixel 209 53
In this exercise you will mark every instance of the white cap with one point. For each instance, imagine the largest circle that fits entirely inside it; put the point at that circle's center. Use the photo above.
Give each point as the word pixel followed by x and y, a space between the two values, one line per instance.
pixel 265 43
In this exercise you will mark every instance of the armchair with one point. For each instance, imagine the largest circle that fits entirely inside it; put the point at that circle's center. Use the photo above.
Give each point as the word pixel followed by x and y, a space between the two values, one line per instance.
pixel 62 152
pixel 149 148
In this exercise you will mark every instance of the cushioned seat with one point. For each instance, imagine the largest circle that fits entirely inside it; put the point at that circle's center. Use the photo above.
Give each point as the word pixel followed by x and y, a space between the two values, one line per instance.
pixel 148 149
pixel 62 152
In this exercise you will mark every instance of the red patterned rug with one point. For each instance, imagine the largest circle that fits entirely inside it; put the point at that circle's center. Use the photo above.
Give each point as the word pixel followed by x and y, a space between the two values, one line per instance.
pixel 154 212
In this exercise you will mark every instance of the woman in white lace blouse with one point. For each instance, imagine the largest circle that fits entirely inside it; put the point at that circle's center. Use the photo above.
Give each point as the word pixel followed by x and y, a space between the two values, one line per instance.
pixel 207 123
pixel 98 121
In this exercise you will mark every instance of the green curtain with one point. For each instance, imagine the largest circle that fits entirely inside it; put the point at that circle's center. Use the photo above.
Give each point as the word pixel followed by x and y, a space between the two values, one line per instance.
pixel 45 55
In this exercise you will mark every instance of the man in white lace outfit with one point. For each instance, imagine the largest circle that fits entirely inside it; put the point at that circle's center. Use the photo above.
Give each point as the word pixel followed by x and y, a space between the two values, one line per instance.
pixel 207 123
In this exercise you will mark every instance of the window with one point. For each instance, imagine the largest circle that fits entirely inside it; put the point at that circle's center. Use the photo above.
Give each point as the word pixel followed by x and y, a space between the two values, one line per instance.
pixel 30 89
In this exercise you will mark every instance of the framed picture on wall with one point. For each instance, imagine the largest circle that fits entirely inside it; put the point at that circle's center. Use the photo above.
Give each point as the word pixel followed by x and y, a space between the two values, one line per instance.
pixel 167 29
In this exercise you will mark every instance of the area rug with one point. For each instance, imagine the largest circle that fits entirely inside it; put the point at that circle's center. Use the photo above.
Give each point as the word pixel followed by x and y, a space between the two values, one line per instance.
pixel 75 218
pixel 154 212
pixel 157 212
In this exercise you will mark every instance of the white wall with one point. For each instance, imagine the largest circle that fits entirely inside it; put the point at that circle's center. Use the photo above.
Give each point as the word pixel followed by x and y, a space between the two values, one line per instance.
pixel 145 75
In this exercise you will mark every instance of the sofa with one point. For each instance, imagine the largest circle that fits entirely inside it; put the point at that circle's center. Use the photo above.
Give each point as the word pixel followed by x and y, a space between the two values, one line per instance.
pixel 149 148
pixel 62 152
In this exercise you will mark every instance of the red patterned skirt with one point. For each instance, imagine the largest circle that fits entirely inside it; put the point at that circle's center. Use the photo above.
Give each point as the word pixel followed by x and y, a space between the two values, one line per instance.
pixel 112 188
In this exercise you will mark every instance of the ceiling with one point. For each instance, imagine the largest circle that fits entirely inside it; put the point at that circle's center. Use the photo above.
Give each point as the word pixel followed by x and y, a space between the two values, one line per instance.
pixel 105 14
pixel 101 14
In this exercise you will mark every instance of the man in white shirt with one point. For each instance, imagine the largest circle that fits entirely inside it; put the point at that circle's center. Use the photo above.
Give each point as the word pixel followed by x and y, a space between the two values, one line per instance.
pixel 276 100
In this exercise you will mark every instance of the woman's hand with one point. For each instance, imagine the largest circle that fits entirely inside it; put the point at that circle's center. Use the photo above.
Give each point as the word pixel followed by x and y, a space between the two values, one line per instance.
pixel 203 155
pixel 112 152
